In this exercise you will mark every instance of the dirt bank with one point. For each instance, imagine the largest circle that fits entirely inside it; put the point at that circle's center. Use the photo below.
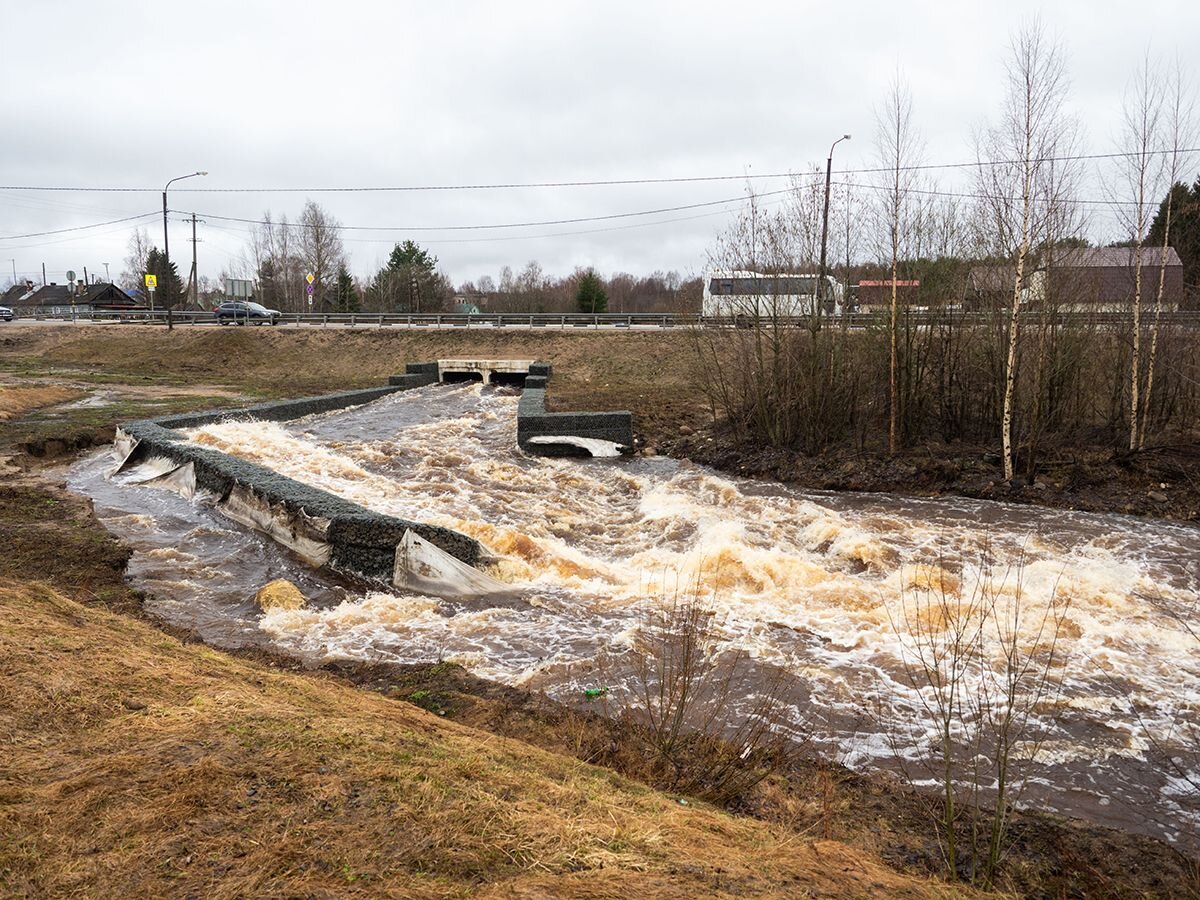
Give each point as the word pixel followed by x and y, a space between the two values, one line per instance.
pixel 1161 482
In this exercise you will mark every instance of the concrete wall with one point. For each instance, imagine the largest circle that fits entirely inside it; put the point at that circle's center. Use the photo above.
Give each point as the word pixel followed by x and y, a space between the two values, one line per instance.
pixel 361 542
pixel 533 420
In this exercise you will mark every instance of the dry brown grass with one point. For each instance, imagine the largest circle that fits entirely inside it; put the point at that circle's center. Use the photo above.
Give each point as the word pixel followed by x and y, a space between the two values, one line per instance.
pixel 136 765
pixel 19 399
pixel 648 372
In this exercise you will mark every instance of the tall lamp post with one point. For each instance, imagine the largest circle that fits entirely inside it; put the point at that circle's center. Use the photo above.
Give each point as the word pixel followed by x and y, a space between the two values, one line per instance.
pixel 820 292
pixel 166 238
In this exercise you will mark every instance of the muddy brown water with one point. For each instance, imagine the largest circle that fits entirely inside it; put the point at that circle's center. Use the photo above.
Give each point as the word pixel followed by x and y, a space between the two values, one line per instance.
pixel 809 582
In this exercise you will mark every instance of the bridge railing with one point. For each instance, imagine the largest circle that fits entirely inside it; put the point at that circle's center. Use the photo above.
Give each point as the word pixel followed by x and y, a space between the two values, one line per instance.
pixel 859 320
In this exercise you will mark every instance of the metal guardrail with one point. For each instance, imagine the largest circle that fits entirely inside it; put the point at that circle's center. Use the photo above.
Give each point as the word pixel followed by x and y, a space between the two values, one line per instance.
pixel 1190 319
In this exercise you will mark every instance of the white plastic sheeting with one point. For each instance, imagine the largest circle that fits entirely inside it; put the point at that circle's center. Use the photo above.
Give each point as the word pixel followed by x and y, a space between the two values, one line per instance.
pixel 425 569
pixel 305 535
pixel 595 446
pixel 160 471
pixel 123 446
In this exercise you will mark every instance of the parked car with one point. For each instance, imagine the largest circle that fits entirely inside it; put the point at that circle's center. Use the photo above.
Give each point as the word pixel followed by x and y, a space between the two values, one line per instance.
pixel 239 312
pixel 6 314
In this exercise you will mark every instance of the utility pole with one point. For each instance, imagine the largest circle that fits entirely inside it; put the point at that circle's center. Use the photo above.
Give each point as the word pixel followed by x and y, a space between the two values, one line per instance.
pixel 194 278
pixel 43 274
pixel 820 293
pixel 106 277
pixel 14 265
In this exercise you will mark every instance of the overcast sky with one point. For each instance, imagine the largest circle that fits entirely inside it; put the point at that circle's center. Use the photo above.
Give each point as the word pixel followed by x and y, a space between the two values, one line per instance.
pixel 368 94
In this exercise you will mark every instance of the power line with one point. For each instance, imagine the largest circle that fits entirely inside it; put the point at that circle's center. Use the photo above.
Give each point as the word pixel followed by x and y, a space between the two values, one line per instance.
pixel 525 237
pixel 617 182
pixel 969 196
pixel 573 221
pixel 14 237
pixel 568 221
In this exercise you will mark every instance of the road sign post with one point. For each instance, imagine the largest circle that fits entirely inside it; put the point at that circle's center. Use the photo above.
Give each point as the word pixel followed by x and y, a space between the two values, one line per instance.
pixel 151 284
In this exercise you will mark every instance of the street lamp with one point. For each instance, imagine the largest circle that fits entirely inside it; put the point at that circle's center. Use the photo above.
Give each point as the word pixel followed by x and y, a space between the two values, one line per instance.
pixel 820 293
pixel 166 239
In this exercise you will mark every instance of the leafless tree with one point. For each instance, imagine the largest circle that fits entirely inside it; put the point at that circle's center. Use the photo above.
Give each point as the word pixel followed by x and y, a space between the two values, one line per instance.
pixel 1139 175
pixel 981 659
pixel 682 688
pixel 1177 131
pixel 274 250
pixel 898 149
pixel 1014 157
pixel 321 249
pixel 769 379
pixel 137 250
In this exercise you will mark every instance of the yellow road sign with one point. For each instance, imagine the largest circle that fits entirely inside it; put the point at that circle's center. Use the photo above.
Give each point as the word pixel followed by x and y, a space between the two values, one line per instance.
pixel 152 281
pixel 310 278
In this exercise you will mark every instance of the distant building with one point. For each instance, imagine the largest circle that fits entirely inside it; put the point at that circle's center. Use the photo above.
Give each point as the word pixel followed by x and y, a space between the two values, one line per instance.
pixel 60 299
pixel 877 293
pixel 1090 278
pixel 755 294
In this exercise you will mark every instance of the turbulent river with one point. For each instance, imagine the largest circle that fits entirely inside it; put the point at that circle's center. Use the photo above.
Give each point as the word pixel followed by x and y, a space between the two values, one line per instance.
pixel 811 584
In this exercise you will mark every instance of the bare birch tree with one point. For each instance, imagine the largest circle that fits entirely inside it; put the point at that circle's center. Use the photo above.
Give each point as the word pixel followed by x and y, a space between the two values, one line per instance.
pixel 1138 176
pixel 1177 133
pixel 898 148
pixel 1014 156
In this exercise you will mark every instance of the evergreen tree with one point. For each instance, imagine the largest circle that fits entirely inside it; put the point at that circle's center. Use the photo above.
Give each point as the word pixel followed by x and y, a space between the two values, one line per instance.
pixel 1185 234
pixel 412 254
pixel 409 282
pixel 170 287
pixel 590 296
pixel 347 293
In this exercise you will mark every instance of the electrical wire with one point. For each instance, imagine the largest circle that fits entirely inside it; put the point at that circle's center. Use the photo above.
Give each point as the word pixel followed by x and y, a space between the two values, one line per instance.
pixel 14 237
pixel 573 221
pixel 617 182
pixel 525 237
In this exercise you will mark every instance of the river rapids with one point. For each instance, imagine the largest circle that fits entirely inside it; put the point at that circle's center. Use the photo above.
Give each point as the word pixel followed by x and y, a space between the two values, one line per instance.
pixel 811 584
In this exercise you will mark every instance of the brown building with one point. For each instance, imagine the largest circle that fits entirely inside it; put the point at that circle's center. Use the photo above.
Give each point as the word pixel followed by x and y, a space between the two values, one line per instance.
pixel 1093 278
pixel 877 294
pixel 1104 278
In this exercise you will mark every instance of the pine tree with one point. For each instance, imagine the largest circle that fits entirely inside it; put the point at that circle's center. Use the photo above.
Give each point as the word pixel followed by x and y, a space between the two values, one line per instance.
pixel 412 254
pixel 347 293
pixel 1185 235
pixel 409 282
pixel 590 296
pixel 170 287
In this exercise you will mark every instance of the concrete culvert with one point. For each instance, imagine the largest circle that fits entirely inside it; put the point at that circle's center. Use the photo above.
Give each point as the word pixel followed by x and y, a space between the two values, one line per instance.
pixel 460 377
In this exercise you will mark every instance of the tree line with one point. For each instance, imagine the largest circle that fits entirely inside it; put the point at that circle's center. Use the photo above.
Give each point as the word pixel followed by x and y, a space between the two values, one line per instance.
pixel 281 253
